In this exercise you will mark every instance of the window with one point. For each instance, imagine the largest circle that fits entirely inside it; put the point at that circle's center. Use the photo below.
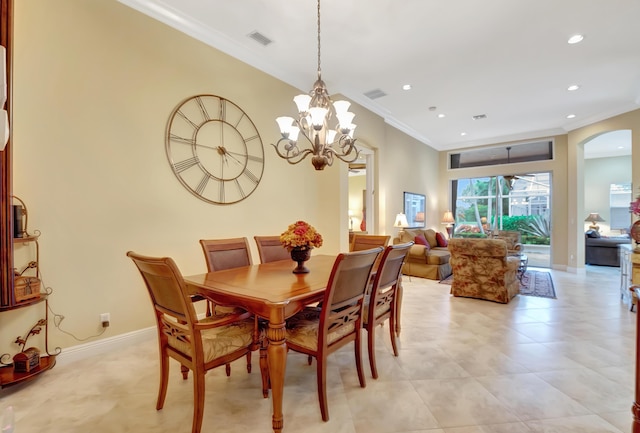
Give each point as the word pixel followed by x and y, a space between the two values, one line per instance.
pixel 619 200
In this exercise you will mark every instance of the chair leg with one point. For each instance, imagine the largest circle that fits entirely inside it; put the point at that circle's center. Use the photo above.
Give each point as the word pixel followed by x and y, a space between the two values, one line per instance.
pixel 371 335
pixel 309 359
pixel 185 372
pixel 358 350
pixel 394 341
pixel 198 399
pixel 322 386
pixel 164 380
pixel 249 362
pixel 398 306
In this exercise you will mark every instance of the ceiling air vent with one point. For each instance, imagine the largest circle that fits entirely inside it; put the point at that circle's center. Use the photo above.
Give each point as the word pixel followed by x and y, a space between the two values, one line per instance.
pixel 375 94
pixel 479 116
pixel 260 38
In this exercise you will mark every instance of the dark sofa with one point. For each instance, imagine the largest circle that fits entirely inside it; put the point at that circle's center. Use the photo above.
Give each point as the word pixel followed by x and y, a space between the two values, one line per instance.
pixel 602 251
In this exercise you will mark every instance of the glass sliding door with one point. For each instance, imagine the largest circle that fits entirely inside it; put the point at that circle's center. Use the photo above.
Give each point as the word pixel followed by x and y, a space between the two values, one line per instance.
pixel 520 203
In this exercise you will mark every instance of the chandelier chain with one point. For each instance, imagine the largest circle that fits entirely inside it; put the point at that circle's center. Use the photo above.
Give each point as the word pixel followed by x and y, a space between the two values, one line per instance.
pixel 319 38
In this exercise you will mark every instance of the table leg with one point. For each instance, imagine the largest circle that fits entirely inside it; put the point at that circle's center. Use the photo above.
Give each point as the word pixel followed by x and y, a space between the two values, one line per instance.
pixel 277 360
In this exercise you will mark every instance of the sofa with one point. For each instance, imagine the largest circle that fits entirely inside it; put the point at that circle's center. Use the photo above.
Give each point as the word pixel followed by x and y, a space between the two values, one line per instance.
pixel 602 251
pixel 428 257
pixel 483 269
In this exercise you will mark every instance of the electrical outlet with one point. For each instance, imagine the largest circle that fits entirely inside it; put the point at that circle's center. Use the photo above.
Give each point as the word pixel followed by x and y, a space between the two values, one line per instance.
pixel 105 318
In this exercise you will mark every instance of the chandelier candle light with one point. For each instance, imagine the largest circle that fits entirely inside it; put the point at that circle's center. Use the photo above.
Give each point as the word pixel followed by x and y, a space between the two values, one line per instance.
pixel 315 112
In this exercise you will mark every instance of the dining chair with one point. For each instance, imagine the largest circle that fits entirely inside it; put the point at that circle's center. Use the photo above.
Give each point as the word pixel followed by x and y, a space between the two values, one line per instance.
pixel 270 249
pixel 198 345
pixel 364 242
pixel 222 254
pixel 381 303
pixel 320 331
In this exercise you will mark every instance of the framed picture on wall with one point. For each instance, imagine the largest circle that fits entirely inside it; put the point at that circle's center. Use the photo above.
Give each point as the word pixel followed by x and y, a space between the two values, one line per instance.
pixel 415 209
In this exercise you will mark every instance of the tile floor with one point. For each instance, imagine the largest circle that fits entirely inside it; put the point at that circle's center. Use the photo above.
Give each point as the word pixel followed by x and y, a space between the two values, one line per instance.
pixel 465 366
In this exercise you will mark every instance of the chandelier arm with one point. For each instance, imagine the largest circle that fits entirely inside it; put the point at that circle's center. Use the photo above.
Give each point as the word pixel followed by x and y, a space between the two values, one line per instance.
pixel 291 158
pixel 344 156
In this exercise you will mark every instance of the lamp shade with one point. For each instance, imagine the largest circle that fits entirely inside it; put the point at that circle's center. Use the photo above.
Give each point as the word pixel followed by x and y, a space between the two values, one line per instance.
pixel 594 217
pixel 447 218
pixel 401 221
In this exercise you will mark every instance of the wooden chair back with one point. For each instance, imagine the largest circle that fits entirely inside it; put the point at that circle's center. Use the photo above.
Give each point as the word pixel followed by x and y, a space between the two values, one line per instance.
pixel 383 297
pixel 221 254
pixel 365 242
pixel 166 288
pixel 270 249
pixel 344 297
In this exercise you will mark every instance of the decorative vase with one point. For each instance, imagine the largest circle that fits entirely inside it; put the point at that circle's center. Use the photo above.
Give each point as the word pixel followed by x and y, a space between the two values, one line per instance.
pixel 635 234
pixel 301 255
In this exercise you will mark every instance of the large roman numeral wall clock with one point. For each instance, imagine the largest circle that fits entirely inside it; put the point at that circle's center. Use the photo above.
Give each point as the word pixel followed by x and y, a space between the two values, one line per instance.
pixel 214 149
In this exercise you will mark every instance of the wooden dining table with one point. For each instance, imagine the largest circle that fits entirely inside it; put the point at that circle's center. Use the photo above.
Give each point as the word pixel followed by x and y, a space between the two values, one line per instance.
pixel 273 292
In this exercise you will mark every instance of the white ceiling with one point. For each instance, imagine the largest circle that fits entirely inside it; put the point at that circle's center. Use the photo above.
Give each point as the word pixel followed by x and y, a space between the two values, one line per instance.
pixel 507 59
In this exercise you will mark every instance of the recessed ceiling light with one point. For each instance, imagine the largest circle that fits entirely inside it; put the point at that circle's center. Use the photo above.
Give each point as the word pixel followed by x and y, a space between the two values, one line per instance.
pixel 441 115
pixel 575 39
pixel 406 87
pixel 571 116
pixel 573 87
pixel 463 133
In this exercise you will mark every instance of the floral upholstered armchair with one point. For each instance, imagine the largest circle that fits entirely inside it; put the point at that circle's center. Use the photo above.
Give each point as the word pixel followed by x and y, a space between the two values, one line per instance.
pixel 513 238
pixel 482 269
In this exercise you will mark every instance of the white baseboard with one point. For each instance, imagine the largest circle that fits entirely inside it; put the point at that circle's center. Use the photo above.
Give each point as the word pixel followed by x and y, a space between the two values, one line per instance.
pixel 575 270
pixel 111 344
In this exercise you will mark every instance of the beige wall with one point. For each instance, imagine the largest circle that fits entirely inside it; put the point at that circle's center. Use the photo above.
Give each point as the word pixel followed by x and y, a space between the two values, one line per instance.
pixel 94 84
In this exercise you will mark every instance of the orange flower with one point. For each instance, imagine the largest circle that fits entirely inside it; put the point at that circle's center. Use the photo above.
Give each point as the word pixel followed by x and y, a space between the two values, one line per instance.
pixel 300 234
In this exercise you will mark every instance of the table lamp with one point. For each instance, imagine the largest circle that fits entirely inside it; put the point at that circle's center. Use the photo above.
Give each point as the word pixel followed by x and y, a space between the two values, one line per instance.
pixel 401 222
pixel 593 218
pixel 448 219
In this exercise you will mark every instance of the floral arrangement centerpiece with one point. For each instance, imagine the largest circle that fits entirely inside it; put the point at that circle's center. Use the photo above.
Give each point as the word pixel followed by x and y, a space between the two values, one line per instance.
pixel 299 239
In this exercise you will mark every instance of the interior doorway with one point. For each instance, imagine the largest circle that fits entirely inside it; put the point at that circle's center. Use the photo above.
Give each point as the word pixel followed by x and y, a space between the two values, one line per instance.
pixel 361 193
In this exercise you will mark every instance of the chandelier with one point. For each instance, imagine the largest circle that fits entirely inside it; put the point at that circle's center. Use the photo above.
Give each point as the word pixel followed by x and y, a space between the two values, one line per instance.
pixel 315 113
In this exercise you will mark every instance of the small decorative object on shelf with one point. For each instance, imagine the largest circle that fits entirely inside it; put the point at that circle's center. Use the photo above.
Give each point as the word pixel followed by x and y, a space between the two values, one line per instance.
pixel 26 288
pixel 299 239
pixel 26 361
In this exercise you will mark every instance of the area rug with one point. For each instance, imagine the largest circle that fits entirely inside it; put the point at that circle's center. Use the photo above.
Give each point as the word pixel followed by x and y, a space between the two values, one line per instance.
pixel 534 283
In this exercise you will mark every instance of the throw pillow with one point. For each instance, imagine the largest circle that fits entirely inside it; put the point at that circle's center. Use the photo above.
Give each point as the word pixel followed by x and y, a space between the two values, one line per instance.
pixel 421 240
pixel 430 236
pixel 442 241
pixel 593 234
